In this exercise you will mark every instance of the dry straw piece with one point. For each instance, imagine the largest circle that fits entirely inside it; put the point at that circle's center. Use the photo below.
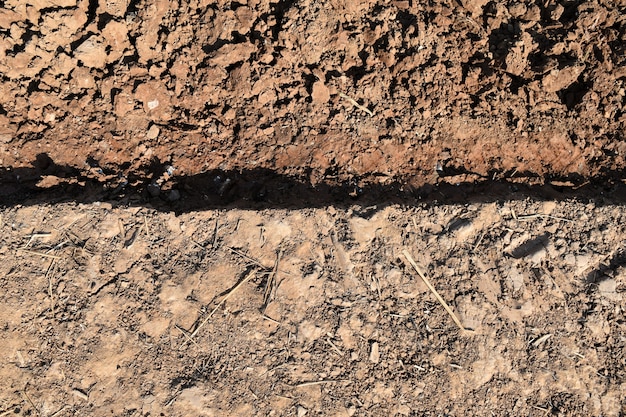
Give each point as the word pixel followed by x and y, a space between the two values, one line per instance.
pixel 222 301
pixel 356 104
pixel 445 305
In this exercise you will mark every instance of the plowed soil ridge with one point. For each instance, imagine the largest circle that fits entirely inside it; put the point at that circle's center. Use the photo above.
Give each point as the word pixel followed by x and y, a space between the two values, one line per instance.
pixel 349 92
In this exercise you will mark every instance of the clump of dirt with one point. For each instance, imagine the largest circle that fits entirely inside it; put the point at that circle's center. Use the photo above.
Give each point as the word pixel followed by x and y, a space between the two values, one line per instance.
pixel 332 91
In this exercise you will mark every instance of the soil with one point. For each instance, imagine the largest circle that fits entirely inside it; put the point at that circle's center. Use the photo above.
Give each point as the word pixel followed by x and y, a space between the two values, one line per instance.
pixel 322 91
pixel 116 310
pixel 206 208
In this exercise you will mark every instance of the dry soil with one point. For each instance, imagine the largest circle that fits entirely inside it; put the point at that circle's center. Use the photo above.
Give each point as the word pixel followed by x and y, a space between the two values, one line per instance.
pixel 206 207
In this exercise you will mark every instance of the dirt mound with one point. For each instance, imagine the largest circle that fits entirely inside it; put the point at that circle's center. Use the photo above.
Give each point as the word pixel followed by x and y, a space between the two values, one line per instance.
pixel 332 91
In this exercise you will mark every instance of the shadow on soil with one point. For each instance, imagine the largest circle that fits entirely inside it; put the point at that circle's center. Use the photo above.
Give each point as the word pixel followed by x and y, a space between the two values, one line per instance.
pixel 158 188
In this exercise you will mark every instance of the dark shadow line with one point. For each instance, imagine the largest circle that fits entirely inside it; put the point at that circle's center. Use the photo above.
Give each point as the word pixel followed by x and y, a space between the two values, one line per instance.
pixel 263 188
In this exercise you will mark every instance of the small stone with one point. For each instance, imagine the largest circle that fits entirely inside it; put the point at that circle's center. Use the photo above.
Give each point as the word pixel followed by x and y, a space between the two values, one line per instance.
pixel 320 93
pixel 153 104
pixel 302 411
pixel 92 53
pixel 374 353
pixel 153 132
pixel 607 288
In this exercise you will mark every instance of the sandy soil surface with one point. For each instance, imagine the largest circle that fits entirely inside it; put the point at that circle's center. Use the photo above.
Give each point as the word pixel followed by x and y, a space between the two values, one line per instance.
pixel 116 310
pixel 209 208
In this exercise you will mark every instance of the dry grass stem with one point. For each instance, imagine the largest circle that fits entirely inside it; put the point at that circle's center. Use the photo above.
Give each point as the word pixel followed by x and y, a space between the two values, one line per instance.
pixel 49 278
pixel 332 345
pixel 243 255
pixel 185 333
pixel 32 404
pixel 222 301
pixel 541 216
pixel 32 252
pixel 268 318
pixel 324 381
pixel 34 236
pixel 445 305
pixel 59 411
pixel 357 105
pixel 270 286
pixel 542 339
pixel 146 227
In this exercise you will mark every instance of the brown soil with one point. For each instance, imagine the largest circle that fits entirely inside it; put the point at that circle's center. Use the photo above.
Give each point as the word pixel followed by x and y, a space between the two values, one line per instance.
pixel 204 208
pixel 323 91
pixel 99 304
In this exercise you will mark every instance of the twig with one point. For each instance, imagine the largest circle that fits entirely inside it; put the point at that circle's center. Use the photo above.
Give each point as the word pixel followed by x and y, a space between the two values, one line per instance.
pixel 409 258
pixel 243 255
pixel 215 231
pixel 222 301
pixel 31 402
pixel 538 215
pixel 32 252
pixel 332 345
pixel 324 381
pixel 266 317
pixel 60 245
pixel 52 302
pixel 357 105
pixel 59 411
pixel 271 280
pixel 541 339
pixel 185 333
pixel 33 236
pixel 146 228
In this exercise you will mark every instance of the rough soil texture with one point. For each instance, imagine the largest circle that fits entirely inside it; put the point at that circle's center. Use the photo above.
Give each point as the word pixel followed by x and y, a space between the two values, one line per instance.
pixel 128 311
pixel 204 208
pixel 364 91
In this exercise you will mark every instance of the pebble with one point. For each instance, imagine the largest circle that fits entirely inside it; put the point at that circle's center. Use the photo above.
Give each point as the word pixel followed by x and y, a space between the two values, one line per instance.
pixel 374 353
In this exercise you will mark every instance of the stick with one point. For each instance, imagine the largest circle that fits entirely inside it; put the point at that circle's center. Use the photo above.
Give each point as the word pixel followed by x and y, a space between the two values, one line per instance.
pixel 409 258
pixel 52 303
pixel 266 317
pixel 538 215
pixel 324 381
pixel 32 252
pixel 32 236
pixel 254 261
pixel 357 105
pixel 185 333
pixel 31 402
pixel 271 279
pixel 59 411
pixel 226 297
